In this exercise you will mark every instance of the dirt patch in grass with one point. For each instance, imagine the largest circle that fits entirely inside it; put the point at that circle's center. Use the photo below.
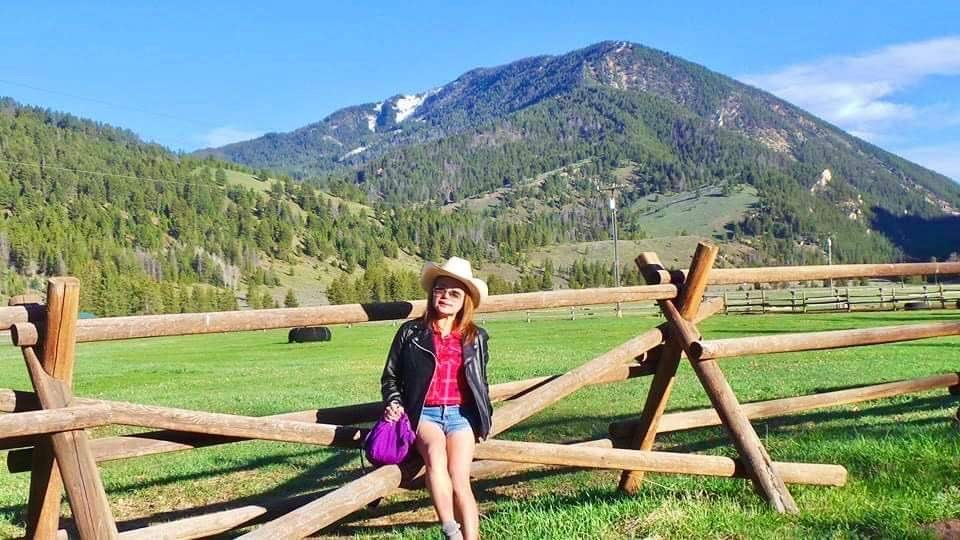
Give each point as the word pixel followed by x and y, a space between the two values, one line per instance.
pixel 948 529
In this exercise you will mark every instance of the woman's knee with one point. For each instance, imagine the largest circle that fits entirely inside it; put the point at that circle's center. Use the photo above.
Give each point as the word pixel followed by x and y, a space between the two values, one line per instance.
pixel 434 456
pixel 459 477
pixel 461 485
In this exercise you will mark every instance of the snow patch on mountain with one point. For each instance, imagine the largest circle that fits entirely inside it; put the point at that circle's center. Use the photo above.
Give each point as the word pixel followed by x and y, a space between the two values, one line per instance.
pixel 353 152
pixel 407 105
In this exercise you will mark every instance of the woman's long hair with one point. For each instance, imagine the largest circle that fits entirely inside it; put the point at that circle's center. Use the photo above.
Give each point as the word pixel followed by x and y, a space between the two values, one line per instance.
pixel 463 322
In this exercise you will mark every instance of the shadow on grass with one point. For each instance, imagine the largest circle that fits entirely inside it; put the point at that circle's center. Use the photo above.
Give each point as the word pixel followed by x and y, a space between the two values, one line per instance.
pixel 597 426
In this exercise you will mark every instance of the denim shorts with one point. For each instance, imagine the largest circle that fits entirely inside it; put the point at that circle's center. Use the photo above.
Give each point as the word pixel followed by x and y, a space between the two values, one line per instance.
pixel 450 418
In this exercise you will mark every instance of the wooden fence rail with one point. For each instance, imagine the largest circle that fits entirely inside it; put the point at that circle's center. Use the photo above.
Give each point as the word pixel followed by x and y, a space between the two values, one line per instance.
pixel 863 298
pixel 47 427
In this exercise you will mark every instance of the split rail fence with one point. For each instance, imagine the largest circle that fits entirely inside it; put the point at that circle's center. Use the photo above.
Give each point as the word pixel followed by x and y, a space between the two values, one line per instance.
pixel 868 298
pixel 46 430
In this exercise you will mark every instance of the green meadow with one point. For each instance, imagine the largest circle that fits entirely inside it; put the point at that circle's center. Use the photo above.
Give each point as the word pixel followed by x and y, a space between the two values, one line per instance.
pixel 902 453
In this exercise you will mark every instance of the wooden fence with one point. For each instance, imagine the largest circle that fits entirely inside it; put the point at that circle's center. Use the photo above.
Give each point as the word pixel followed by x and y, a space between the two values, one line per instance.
pixel 865 298
pixel 46 428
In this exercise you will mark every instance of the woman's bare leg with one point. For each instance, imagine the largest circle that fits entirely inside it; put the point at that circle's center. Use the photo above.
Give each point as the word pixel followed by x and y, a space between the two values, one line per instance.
pixel 432 445
pixel 460 445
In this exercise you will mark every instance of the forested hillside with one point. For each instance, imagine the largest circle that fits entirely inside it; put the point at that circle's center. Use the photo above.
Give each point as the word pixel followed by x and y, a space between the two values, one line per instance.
pixel 148 231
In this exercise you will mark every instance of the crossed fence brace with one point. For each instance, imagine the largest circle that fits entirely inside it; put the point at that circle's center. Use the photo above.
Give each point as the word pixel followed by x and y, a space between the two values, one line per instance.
pixel 64 458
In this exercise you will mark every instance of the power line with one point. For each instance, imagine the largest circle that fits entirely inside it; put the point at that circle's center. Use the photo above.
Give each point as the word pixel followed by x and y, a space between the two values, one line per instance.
pixel 108 103
pixel 99 173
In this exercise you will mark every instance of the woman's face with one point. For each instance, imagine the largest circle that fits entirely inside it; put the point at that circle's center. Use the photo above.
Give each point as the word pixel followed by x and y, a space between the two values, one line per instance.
pixel 447 296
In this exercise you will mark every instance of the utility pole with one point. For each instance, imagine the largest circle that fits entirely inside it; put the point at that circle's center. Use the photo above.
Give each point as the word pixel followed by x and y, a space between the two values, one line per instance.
pixel 616 250
pixel 616 247
pixel 830 255
pixel 613 228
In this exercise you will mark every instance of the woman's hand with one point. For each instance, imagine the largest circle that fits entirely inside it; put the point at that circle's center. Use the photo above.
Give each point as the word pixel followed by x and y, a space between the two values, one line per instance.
pixel 393 412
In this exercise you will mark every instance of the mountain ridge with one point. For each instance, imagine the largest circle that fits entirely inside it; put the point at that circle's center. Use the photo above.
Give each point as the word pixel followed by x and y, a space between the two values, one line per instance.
pixel 482 95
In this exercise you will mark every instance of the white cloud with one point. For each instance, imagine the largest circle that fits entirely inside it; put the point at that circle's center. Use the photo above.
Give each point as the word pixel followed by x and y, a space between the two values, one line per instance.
pixel 226 135
pixel 943 158
pixel 859 92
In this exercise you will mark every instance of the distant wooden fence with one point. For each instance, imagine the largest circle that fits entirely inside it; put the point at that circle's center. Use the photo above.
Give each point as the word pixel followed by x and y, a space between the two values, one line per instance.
pixel 863 298
pixel 759 301
pixel 46 429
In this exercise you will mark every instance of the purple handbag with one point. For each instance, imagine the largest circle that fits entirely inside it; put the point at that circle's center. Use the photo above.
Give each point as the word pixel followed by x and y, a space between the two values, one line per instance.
pixel 388 443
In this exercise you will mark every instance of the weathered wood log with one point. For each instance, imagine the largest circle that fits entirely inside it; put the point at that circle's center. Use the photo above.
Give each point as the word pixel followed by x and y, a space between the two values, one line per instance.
pixel 690 297
pixel 17 401
pixel 24 299
pixel 157 442
pixel 774 274
pixel 62 460
pixel 230 425
pixel 749 446
pixel 78 470
pixel 680 421
pixel 197 526
pixel 564 385
pixel 53 420
pixel 31 312
pixel 684 332
pixel 646 460
pixel 752 452
pixel 354 495
pixel 112 328
pixel 488 468
pixel 331 507
pixel 812 341
pixel 24 334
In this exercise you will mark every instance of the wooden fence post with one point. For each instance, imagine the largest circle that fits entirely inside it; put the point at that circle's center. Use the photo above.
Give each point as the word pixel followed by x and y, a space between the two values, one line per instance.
pixel 52 377
pixel 689 298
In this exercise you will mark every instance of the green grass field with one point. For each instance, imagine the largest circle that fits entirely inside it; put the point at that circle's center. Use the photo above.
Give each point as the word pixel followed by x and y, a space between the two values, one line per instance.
pixel 903 454
pixel 687 213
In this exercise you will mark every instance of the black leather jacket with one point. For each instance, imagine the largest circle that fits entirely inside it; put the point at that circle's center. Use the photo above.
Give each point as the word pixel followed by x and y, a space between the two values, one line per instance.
pixel 411 364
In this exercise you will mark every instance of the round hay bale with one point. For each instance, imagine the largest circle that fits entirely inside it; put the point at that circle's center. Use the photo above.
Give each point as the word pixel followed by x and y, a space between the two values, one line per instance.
pixel 916 306
pixel 309 333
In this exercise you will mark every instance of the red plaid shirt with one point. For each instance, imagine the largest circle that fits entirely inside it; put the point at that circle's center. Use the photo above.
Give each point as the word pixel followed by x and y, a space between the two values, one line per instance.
pixel 449 383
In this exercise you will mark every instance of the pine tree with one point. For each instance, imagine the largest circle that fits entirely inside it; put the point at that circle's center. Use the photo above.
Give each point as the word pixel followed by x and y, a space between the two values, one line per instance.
pixel 290 300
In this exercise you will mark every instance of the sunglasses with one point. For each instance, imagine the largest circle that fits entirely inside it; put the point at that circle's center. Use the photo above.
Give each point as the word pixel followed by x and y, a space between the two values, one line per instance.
pixel 452 292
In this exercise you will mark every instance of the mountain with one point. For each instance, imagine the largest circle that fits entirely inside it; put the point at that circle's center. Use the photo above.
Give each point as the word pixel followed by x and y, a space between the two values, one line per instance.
pixel 501 166
pixel 676 125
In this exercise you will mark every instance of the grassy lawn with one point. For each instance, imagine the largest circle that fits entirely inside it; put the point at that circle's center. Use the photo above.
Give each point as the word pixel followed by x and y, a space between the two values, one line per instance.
pixel 688 214
pixel 903 454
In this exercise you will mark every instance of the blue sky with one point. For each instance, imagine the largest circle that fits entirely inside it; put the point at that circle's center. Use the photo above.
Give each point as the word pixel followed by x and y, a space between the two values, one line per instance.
pixel 191 74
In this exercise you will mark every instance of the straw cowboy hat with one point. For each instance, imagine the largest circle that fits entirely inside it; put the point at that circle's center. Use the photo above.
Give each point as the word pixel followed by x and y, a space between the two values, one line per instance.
pixel 458 269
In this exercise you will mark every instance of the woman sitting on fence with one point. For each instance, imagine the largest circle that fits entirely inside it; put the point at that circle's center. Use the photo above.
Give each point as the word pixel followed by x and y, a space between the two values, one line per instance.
pixel 436 372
